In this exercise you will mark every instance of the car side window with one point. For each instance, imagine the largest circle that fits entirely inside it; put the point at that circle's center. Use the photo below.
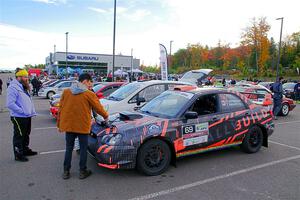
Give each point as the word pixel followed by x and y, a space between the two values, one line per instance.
pixel 152 91
pixel 206 104
pixel 65 84
pixel 107 91
pixel 231 102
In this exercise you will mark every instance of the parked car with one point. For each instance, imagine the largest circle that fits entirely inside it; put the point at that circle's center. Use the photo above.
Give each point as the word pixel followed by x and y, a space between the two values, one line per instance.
pixel 176 124
pixel 266 84
pixel 288 90
pixel 104 89
pixel 101 89
pixel 55 88
pixel 136 94
pixel 260 94
pixel 196 77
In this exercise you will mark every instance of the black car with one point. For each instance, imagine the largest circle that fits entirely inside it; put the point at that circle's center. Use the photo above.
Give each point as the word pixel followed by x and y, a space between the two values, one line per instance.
pixel 288 90
pixel 177 124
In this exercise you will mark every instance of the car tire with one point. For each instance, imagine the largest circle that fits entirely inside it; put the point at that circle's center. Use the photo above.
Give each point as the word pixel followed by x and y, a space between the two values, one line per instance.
pixel 50 94
pixel 285 109
pixel 253 140
pixel 153 157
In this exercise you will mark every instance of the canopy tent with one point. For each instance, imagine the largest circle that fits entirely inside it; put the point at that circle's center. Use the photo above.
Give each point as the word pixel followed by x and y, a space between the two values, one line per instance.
pixel 120 72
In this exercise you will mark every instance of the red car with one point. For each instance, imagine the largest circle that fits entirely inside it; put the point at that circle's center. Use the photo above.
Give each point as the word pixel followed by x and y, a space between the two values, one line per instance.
pixel 102 90
pixel 261 95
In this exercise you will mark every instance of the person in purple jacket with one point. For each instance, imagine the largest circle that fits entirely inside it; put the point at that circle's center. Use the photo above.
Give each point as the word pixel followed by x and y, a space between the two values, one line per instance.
pixel 21 108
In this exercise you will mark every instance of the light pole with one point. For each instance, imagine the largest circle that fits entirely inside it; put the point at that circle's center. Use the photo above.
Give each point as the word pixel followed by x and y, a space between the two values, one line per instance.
pixel 114 41
pixel 277 66
pixel 130 78
pixel 170 55
pixel 67 33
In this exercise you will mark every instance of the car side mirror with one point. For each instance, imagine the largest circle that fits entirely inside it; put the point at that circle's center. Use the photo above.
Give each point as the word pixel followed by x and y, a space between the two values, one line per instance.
pixel 191 115
pixel 100 95
pixel 140 100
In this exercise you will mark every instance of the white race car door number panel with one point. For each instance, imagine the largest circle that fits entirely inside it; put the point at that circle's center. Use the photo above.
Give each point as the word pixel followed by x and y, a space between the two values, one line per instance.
pixel 195 134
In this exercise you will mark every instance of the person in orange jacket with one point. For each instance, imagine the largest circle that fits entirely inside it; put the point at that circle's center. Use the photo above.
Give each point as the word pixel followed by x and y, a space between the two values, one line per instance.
pixel 74 118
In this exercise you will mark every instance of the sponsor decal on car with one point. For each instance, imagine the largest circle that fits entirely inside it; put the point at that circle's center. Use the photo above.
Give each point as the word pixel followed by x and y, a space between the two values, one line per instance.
pixel 195 134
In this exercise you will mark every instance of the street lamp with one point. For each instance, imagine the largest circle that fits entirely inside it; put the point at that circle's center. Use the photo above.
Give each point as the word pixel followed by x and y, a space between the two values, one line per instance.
pixel 114 41
pixel 170 55
pixel 277 67
pixel 131 66
pixel 67 33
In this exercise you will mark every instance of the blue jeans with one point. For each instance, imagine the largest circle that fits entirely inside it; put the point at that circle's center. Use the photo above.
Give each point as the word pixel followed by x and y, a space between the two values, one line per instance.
pixel 83 143
pixel 277 106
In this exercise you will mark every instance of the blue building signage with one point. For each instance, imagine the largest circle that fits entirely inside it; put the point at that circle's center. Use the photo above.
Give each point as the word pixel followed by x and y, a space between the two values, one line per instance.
pixel 86 58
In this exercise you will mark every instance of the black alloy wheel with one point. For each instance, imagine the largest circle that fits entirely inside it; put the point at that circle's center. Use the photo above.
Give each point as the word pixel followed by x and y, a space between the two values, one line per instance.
pixel 253 140
pixel 153 157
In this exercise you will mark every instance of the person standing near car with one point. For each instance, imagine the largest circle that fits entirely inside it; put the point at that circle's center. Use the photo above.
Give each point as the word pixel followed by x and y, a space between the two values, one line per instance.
pixel 21 108
pixel 277 97
pixel 297 91
pixel 74 118
pixel 35 85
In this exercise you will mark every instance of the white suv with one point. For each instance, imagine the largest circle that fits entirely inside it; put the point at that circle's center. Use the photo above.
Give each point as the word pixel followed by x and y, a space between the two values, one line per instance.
pixel 57 88
pixel 129 96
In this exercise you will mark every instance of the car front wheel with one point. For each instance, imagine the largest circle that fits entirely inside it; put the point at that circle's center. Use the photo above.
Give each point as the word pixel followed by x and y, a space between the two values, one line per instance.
pixel 50 94
pixel 285 109
pixel 253 140
pixel 153 157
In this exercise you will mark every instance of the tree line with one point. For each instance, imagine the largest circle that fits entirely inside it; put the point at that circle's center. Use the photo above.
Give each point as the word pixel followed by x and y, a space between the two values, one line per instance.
pixel 256 54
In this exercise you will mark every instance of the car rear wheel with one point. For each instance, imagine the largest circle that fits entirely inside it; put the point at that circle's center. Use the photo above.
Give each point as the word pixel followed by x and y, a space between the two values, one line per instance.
pixel 285 109
pixel 153 157
pixel 50 94
pixel 253 140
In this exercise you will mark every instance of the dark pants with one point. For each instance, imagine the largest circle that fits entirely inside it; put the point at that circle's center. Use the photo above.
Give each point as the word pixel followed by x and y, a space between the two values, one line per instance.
pixel 277 106
pixel 22 129
pixel 83 143
pixel 35 91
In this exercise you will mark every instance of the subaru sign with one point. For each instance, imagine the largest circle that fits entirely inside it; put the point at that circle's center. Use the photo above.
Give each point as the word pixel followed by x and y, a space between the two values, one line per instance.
pixel 85 58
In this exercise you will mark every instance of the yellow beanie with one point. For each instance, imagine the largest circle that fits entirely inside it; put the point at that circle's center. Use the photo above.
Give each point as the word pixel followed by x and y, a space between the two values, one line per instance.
pixel 22 72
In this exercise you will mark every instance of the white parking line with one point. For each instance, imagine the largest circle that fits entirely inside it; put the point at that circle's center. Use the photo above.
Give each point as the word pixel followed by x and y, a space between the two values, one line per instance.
pixel 287 122
pixel 198 183
pixel 50 152
pixel 44 128
pixel 285 145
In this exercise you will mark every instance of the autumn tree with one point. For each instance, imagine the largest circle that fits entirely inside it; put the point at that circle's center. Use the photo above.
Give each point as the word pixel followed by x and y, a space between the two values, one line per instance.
pixel 256 36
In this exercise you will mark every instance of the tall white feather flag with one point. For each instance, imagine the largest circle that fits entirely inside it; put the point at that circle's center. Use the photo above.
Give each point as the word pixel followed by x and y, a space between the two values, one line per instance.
pixel 163 62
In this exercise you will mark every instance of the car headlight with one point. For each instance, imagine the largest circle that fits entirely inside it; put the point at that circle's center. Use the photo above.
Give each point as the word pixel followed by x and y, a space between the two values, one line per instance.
pixel 56 104
pixel 114 140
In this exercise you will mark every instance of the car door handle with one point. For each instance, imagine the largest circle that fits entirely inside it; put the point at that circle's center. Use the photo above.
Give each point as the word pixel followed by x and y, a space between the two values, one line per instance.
pixel 215 118
pixel 247 113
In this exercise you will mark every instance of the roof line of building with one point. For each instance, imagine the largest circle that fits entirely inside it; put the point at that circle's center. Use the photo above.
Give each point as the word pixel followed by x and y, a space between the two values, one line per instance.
pixel 91 54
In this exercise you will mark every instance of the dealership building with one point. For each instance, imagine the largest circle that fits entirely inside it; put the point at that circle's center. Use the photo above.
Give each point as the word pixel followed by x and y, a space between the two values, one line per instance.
pixel 88 62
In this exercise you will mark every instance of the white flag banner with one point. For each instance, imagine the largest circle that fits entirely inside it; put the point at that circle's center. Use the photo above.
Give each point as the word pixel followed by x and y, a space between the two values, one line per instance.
pixel 163 62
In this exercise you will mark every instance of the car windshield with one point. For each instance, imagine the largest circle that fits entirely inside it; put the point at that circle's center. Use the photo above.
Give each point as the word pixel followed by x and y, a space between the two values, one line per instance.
pixel 124 92
pixel 192 77
pixel 168 104
pixel 98 87
pixel 288 85
pixel 54 83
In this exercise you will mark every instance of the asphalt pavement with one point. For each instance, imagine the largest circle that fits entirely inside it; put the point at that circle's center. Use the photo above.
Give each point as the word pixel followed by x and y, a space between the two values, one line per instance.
pixel 272 173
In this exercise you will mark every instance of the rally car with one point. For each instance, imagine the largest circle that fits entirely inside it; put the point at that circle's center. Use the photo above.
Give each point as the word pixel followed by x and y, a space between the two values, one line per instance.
pixel 263 96
pixel 179 123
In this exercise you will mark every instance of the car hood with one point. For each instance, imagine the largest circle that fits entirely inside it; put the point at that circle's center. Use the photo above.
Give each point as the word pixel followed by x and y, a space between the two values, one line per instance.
pixel 128 122
pixel 110 105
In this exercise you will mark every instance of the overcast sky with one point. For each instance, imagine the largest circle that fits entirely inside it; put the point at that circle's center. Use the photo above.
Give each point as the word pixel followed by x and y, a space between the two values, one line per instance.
pixel 29 29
